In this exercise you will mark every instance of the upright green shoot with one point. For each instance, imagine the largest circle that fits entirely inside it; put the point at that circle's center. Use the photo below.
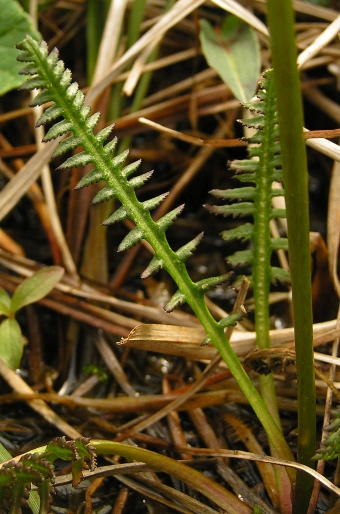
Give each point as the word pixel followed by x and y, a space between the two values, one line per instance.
pixel 295 178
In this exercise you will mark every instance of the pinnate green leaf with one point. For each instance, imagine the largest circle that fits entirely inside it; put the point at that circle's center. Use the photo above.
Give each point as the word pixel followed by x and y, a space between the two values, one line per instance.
pixel 234 52
pixel 234 209
pixel 241 258
pixel 231 320
pixel 104 194
pixel 279 275
pixel 242 232
pixel 90 178
pixel 175 301
pixel 155 264
pixel 36 287
pixel 79 159
pixel 75 451
pixel 209 283
pixel 279 243
pixel 167 220
pixel 58 129
pixel 11 345
pixel 187 250
pixel 120 214
pixel 133 237
pixel 237 193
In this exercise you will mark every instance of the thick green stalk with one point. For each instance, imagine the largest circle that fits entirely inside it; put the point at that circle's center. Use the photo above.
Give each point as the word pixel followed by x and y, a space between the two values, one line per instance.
pixel 295 178
pixel 210 488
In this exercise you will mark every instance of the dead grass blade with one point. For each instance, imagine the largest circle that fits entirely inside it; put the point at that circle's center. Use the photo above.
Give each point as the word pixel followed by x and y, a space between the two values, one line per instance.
pixel 320 42
pixel 333 224
pixel 22 181
pixel 237 454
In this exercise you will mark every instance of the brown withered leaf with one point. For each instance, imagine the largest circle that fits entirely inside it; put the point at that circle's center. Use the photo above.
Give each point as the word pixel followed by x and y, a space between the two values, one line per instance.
pixel 187 341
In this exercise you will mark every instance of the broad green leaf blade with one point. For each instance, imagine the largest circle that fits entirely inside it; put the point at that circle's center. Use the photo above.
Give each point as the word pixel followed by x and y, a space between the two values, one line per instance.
pixel 14 25
pixel 5 302
pixel 11 346
pixel 235 54
pixel 36 287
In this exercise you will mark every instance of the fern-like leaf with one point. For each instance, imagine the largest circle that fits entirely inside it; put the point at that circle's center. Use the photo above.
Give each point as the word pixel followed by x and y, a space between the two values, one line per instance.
pixel 17 477
pixel 71 117
pixel 261 169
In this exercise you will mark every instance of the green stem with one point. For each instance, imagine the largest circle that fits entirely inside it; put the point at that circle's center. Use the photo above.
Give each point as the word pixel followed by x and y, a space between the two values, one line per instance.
pixel 210 488
pixel 295 178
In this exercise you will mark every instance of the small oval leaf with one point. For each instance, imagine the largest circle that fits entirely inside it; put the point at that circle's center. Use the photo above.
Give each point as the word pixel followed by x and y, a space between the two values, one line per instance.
pixel 15 23
pixel 234 53
pixel 11 346
pixel 36 287
pixel 5 302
